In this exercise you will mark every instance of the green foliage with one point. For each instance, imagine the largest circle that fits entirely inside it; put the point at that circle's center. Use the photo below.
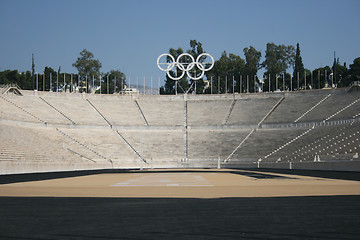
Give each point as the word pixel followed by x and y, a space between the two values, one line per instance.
pixel 195 50
pixel 169 87
pixel 354 71
pixel 87 65
pixel 223 72
pixel 252 57
pixel 299 69
pixel 48 71
pixel 112 82
pixel 184 84
pixel 278 58
pixel 321 80
pixel 341 73
pixel 24 80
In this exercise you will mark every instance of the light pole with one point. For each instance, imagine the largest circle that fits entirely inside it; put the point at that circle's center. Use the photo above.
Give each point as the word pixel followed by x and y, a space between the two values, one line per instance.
pixel 64 83
pixel 71 83
pixel 107 84
pixel 37 81
pixel 50 83
pixel 283 82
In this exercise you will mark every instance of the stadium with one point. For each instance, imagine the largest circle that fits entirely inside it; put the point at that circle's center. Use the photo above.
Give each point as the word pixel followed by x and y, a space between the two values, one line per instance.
pixel 223 166
pixel 46 132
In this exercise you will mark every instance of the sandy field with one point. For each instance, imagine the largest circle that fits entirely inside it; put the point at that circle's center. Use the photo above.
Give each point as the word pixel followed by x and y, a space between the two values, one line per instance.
pixel 183 184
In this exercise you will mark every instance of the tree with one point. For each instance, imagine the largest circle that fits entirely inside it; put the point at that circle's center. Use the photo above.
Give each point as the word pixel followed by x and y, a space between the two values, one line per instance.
pixel 321 80
pixel 252 57
pixel 33 71
pixel 278 58
pixel 223 72
pixel 49 71
pixel 340 74
pixel 184 84
pixel 298 68
pixel 169 86
pixel 195 51
pixel 87 65
pixel 354 71
pixel 117 82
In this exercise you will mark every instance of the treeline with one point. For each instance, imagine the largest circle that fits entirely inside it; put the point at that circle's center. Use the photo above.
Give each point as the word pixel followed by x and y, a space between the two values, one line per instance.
pixel 51 80
pixel 88 79
pixel 231 73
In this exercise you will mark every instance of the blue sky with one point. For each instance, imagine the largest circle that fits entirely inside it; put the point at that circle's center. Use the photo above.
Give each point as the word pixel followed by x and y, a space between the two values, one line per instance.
pixel 129 35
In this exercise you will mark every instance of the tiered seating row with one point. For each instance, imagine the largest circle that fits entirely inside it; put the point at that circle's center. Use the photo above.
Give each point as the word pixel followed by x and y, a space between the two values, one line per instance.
pixel 327 142
pixel 163 111
pixel 338 143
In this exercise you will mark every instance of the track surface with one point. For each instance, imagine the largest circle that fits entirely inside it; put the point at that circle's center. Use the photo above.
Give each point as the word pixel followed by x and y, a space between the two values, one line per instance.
pixel 206 204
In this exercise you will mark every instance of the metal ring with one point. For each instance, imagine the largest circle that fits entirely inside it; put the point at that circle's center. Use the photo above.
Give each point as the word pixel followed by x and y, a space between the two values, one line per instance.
pixel 185 67
pixel 169 65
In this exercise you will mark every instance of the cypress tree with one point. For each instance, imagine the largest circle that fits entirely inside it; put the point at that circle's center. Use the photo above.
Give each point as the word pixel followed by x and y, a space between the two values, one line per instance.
pixel 298 68
pixel 33 71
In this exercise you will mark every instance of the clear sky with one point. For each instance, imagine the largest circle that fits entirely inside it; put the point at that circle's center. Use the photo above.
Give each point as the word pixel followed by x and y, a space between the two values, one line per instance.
pixel 129 35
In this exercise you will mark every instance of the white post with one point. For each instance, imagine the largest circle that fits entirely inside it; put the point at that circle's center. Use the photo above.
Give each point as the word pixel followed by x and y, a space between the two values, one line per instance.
pixel 247 83
pixel 144 86
pixel 176 83
pixel 64 83
pixel 226 90
pixel 218 165
pixel 240 83
pixel 86 84
pixel 218 84
pixel 159 85
pixel 100 84
pixel 254 83
pixel 141 150
pixel 326 77
pixel 283 82
pixel 71 85
pixel 37 81
pixel 107 84
pixel 298 81
pixel 276 82
pixel 233 84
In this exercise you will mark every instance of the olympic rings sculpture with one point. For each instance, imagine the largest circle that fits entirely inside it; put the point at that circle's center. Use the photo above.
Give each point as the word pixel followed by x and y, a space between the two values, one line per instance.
pixel 185 67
